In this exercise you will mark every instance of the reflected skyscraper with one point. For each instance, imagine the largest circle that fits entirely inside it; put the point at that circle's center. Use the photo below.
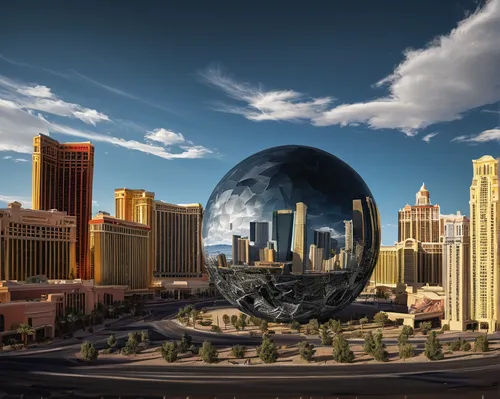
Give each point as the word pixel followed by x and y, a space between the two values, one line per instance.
pixel 235 254
pixel 259 234
pixel 348 235
pixel 300 238
pixel 358 228
pixel 282 234
pixel 323 239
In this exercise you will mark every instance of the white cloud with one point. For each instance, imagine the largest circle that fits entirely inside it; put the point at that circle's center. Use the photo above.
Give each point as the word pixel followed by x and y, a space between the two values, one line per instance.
pixel 455 73
pixel 427 138
pixel 16 160
pixel 490 111
pixel 19 122
pixel 483 137
pixel 280 105
pixel 333 232
pixel 41 98
pixel 6 199
pixel 165 137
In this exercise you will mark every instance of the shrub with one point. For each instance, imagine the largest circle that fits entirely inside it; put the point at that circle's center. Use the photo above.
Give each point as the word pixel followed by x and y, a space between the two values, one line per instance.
pixel 381 318
pixel 131 345
pixel 406 351
pixel 145 337
pixel 402 339
pixel 363 321
pixel 425 327
pixel 455 345
pixel 466 346
pixel 107 351
pixel 324 334
pixel 238 351
pixel 206 323
pixel 215 329
pixel 263 326
pixel 445 327
pixel 433 348
pixel 208 353
pixel 369 344
pixel 268 352
pixel 341 351
pixel 379 352
pixel 306 350
pixel 357 334
pixel 255 321
pixel 88 351
pixel 234 320
pixel 335 326
pixel 481 344
pixel 312 326
pixel 184 343
pixel 399 322
pixel 169 351
pixel 295 325
pixel 226 319
pixel 408 331
pixel 111 341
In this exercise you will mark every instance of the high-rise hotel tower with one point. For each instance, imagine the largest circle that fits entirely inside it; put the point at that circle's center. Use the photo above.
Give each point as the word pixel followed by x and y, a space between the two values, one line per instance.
pixel 484 232
pixel 62 179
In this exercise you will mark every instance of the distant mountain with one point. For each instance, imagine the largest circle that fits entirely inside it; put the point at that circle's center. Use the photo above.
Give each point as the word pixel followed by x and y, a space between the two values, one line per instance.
pixel 214 250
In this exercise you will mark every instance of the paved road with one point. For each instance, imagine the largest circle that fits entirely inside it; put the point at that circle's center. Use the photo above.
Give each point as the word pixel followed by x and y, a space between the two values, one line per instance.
pixel 471 378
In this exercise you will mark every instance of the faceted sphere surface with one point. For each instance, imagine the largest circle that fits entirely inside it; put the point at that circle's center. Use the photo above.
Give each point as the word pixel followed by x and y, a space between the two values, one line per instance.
pixel 291 233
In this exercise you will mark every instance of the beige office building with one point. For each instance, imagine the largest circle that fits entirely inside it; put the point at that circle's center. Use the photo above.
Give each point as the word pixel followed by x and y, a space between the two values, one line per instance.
pixel 36 243
pixel 456 270
pixel 137 205
pixel 178 242
pixel 420 221
pixel 484 251
pixel 387 269
pixel 119 252
pixel 315 258
pixel 299 240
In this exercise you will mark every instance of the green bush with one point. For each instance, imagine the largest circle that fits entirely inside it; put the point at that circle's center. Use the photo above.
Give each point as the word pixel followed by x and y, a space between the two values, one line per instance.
pixel 342 353
pixel 466 346
pixel 406 351
pixel 215 329
pixel 325 336
pixel 433 347
pixel 206 323
pixel 107 351
pixel 481 344
pixel 379 352
pixel 408 331
pixel 209 353
pixel 335 326
pixel 185 343
pixel 88 351
pixel 169 351
pixel 268 352
pixel 455 345
pixel 111 341
pixel 445 327
pixel 306 350
pixel 238 351
pixel 369 344
pixel 295 325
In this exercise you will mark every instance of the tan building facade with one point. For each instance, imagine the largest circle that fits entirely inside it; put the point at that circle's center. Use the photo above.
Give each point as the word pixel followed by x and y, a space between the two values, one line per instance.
pixel 138 206
pixel 299 240
pixel 387 269
pixel 36 243
pixel 119 252
pixel 456 270
pixel 484 251
pixel 62 179
pixel 178 242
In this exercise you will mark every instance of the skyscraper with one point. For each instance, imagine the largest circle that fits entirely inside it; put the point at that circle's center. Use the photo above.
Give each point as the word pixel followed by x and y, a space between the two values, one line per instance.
pixel 235 255
pixel 138 206
pixel 300 239
pixel 282 234
pixel 323 239
pixel 484 232
pixel 456 270
pixel 349 242
pixel 178 245
pixel 62 179
pixel 315 258
pixel 259 234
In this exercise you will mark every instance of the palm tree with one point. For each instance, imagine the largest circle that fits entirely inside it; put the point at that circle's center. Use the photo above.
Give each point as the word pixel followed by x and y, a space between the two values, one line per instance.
pixel 25 330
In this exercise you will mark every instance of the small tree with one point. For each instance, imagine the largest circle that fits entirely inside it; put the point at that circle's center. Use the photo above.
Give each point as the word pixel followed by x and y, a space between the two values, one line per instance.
pixel 145 337
pixel 215 329
pixel 312 326
pixel 185 343
pixel 379 352
pixel 209 353
pixel 255 321
pixel 226 320
pixel 335 326
pixel 481 344
pixel 295 325
pixel 369 344
pixel 406 351
pixel 169 351
pixel 341 351
pixel 306 350
pixel 402 339
pixel 466 346
pixel 381 318
pixel 111 341
pixel 234 320
pixel 25 330
pixel 131 344
pixel 425 327
pixel 363 321
pixel 238 351
pixel 408 331
pixel 242 322
pixel 263 326
pixel 433 347
pixel 268 352
pixel 455 345
pixel 324 335
pixel 88 351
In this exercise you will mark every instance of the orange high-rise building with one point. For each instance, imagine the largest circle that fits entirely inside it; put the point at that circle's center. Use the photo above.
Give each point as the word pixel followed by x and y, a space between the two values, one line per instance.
pixel 62 179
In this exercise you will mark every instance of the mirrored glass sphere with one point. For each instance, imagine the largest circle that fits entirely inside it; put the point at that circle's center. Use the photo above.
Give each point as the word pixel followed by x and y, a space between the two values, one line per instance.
pixel 291 233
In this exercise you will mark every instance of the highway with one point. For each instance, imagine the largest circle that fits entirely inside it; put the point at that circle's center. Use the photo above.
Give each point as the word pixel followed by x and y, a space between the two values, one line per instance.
pixel 54 371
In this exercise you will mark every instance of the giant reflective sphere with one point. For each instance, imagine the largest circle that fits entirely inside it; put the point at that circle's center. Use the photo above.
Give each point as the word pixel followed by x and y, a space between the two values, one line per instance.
pixel 291 233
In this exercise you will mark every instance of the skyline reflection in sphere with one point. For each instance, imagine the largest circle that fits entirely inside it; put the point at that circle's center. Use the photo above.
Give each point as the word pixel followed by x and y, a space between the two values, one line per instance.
pixel 291 233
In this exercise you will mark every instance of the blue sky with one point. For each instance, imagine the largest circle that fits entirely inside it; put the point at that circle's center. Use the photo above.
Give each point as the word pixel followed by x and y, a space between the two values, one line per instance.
pixel 173 95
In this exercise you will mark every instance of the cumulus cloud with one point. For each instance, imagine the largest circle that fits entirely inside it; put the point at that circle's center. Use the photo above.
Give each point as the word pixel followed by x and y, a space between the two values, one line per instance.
pixel 453 74
pixel 428 137
pixel 334 234
pixel 6 199
pixel 20 121
pixel 483 137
